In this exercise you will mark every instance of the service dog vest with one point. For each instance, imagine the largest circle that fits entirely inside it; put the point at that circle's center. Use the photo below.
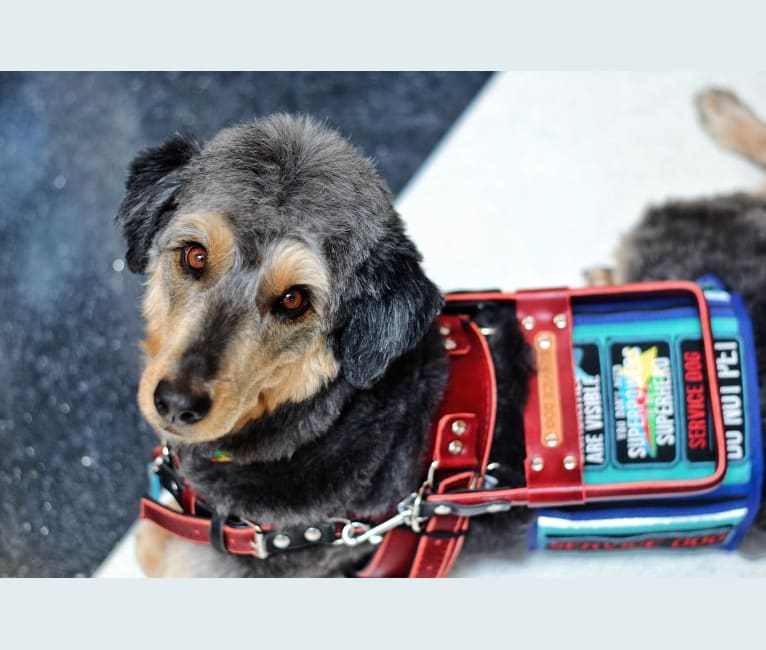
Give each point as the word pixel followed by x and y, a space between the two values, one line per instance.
pixel 644 415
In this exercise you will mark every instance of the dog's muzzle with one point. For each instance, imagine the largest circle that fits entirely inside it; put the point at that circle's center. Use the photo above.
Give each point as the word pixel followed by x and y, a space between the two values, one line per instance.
pixel 180 407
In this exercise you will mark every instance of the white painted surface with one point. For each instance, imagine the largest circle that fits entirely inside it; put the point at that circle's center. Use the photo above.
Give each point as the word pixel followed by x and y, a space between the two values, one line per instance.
pixel 537 181
pixel 546 170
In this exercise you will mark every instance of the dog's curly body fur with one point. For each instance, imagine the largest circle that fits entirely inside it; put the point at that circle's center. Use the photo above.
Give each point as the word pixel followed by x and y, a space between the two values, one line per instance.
pixel 356 444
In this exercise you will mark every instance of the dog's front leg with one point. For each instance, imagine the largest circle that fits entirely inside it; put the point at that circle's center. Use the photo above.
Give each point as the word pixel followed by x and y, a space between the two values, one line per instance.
pixel 153 550
pixel 161 554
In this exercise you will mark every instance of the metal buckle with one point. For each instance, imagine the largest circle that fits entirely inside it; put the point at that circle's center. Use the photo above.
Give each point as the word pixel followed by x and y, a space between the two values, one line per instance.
pixel 371 534
pixel 259 539
pixel 408 514
pixel 354 533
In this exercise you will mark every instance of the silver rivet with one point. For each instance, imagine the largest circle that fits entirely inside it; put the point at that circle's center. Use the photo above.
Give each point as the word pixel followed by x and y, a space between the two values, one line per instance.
pixel 551 439
pixel 560 321
pixel 442 509
pixel 444 330
pixel 312 534
pixel 450 344
pixel 570 462
pixel 459 427
pixel 528 322
pixel 536 464
pixel 455 447
pixel 375 539
pixel 544 342
pixel 281 540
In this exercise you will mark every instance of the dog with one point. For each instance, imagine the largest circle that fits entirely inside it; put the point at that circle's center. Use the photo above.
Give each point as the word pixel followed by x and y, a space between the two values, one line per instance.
pixel 291 331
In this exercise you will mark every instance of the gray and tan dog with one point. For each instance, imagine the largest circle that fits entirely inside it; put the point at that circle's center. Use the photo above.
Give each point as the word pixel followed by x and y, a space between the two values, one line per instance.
pixel 289 325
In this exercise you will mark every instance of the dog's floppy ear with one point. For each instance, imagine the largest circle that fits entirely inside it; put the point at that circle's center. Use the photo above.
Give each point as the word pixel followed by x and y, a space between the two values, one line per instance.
pixel 153 181
pixel 397 305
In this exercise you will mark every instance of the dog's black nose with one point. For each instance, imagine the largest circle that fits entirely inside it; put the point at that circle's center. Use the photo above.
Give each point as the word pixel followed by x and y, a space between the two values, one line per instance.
pixel 179 407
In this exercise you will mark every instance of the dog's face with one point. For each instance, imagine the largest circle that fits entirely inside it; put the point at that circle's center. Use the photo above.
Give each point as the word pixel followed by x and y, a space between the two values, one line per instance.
pixel 276 264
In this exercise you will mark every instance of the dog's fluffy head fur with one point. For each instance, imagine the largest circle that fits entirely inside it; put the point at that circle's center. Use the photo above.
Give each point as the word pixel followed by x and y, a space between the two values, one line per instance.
pixel 278 205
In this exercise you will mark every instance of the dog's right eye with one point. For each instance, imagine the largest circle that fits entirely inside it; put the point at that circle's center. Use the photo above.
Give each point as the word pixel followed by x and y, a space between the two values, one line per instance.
pixel 194 259
pixel 292 303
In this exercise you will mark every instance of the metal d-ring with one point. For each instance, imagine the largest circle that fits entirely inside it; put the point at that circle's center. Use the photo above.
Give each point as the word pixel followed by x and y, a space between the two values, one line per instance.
pixel 418 500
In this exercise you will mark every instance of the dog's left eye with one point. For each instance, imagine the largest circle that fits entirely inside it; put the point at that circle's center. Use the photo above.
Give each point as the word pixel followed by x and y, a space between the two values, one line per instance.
pixel 194 258
pixel 293 302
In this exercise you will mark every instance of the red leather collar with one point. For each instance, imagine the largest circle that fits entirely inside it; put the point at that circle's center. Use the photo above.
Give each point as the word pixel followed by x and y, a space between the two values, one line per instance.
pixel 197 522
pixel 239 540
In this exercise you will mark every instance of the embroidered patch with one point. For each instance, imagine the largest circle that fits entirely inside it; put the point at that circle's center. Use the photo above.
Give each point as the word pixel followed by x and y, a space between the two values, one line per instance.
pixel 675 540
pixel 644 410
pixel 590 403
pixel 728 357
pixel 700 442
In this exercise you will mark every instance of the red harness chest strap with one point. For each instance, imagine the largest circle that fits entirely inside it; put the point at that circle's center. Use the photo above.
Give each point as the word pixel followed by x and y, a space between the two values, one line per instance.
pixel 461 440
pixel 551 429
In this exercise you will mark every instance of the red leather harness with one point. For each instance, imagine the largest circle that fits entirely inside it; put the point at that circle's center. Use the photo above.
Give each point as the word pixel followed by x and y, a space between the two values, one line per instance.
pixel 424 538
pixel 461 440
